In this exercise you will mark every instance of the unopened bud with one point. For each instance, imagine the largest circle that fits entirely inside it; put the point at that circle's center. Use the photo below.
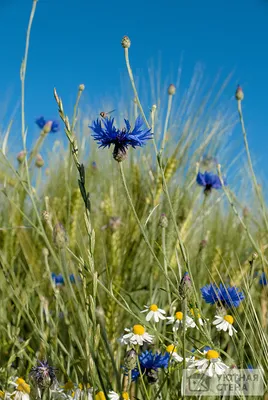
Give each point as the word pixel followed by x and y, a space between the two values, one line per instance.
pixel 114 223
pixel 47 127
pixel 59 236
pixel 21 156
pixel 45 252
pixel 163 222
pixel 125 42
pixel 239 95
pixel 171 89
pixel 81 87
pixel 245 212
pixel 185 287
pixel 39 162
pixel 203 244
pixel 130 360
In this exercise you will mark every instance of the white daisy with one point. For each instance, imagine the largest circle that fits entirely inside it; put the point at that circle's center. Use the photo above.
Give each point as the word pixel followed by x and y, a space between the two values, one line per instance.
pixel 210 365
pixel 171 349
pixel 136 335
pixel 22 390
pixel 224 323
pixel 177 321
pixel 196 314
pixel 113 395
pixel 154 312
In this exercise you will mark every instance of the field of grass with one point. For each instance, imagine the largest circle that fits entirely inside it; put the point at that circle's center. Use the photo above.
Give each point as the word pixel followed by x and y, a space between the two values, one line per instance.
pixel 95 235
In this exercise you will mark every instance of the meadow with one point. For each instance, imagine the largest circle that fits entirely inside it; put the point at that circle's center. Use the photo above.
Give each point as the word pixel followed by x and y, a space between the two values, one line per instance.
pixel 132 250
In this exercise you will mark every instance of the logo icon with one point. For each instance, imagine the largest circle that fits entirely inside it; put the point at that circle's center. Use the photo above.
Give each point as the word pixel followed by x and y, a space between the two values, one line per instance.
pixel 199 383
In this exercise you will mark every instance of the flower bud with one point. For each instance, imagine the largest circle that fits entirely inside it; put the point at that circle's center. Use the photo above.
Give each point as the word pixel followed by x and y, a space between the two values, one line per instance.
pixel 125 42
pixel 114 223
pixel 171 89
pixel 185 287
pixel 59 236
pixel 39 162
pixel 130 360
pixel 245 212
pixel 203 244
pixel 163 222
pixel 239 95
pixel 21 156
pixel 47 127
pixel 81 87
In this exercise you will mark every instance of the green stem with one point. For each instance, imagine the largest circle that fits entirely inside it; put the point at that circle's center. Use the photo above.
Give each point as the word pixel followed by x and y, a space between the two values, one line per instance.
pixel 23 70
pixel 158 157
pixel 240 219
pixel 257 189
pixel 136 94
pixel 139 223
pixel 166 122
pixel 165 264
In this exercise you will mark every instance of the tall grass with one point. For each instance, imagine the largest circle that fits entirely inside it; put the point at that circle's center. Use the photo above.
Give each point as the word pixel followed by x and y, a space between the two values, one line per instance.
pixel 102 221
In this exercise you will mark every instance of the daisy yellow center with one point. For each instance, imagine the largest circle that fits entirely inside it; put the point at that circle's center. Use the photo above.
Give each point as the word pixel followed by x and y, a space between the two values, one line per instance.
pixel 125 396
pixel 138 330
pixel 179 315
pixel 195 313
pixel 171 348
pixel 100 396
pixel 23 386
pixel 211 354
pixel 153 307
pixel 229 319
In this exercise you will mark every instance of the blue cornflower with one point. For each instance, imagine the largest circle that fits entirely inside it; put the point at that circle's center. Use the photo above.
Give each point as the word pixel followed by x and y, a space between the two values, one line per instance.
pixel 106 134
pixel 149 364
pixel 43 374
pixel 209 181
pixel 41 122
pixel 58 279
pixel 230 295
pixel 263 279
pixel 210 293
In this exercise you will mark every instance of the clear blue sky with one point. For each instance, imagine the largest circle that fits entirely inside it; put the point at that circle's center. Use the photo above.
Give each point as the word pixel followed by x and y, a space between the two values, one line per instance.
pixel 78 41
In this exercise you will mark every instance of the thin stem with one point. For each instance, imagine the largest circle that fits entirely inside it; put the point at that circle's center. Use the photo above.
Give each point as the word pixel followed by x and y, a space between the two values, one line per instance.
pixel 23 68
pixel 134 88
pixel 37 146
pixel 170 96
pixel 257 189
pixel 159 160
pixel 238 216
pixel 140 224
pixel 165 264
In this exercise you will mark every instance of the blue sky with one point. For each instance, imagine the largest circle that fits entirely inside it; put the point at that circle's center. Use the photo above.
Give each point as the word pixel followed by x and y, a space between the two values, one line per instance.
pixel 79 42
